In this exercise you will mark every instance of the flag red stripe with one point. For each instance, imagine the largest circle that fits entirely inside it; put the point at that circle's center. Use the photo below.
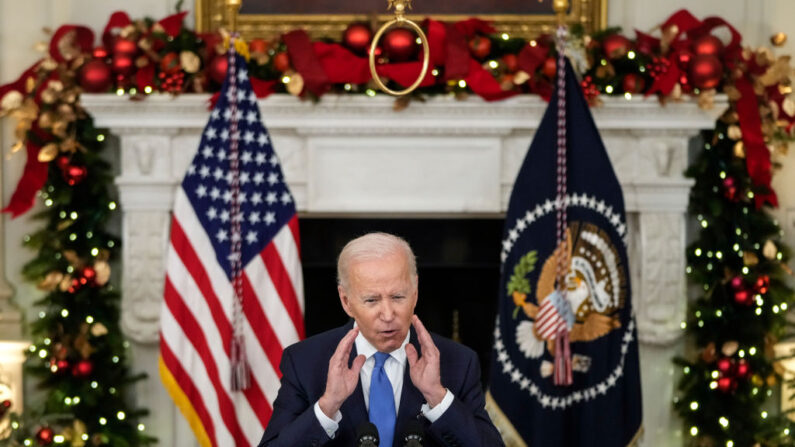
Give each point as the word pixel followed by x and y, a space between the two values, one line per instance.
pixel 263 329
pixel 188 388
pixel 191 261
pixel 195 335
pixel 284 285
pixel 293 224
pixel 183 248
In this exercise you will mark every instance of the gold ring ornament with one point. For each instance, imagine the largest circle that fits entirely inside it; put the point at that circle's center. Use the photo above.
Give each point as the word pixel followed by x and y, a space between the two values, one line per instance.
pixel 400 19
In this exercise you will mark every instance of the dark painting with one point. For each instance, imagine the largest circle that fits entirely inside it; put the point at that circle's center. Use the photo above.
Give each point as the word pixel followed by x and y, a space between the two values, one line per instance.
pixel 420 7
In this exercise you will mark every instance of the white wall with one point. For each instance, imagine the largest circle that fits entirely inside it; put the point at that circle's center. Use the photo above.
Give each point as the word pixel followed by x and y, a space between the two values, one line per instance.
pixel 21 23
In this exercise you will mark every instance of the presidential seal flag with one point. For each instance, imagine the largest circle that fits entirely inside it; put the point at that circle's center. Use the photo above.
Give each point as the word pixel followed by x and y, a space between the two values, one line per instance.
pixel 565 359
pixel 233 295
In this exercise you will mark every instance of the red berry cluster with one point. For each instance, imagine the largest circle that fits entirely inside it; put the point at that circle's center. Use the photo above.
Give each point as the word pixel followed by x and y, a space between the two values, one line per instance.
pixel 172 83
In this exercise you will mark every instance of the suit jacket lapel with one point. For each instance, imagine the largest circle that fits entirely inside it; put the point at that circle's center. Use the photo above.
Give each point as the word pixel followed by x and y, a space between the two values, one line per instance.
pixel 410 397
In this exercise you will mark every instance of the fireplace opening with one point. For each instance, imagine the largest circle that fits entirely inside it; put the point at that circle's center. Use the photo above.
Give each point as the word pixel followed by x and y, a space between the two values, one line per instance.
pixel 458 263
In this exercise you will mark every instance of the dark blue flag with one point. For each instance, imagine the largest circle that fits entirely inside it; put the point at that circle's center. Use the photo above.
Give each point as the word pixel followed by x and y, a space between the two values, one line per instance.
pixel 602 405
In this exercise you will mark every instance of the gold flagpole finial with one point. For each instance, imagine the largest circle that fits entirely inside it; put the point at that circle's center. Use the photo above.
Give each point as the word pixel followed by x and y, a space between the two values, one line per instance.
pixel 232 9
pixel 561 7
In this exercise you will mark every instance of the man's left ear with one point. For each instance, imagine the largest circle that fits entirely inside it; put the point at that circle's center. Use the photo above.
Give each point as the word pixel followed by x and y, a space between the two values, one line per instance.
pixel 344 300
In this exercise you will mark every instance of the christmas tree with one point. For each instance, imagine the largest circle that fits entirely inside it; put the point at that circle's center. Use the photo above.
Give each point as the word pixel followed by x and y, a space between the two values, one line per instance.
pixel 738 264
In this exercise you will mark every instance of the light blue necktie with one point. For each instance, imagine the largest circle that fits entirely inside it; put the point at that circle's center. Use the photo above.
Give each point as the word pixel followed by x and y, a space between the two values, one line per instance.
pixel 382 402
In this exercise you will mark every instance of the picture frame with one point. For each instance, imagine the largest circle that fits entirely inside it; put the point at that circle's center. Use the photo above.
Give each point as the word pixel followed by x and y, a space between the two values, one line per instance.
pixel 268 19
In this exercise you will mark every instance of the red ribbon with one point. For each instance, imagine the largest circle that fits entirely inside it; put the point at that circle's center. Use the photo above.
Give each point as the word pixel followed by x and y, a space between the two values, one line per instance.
pixel 83 39
pixel 33 178
pixel 757 156
pixel 172 24
pixel 305 61
pixel 117 20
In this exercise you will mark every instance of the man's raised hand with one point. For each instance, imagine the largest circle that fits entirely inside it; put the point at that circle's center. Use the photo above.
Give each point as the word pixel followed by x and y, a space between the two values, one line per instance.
pixel 424 371
pixel 341 381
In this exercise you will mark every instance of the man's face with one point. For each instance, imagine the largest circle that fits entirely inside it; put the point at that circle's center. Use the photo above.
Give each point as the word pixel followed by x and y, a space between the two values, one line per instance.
pixel 381 297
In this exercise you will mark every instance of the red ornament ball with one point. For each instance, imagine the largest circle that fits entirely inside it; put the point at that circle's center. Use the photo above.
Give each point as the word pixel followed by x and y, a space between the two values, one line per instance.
pixel 616 46
pixel 74 174
pixel 100 53
pixel 62 365
pixel 742 297
pixel 169 64
pixel 124 47
pixel 123 65
pixel 95 76
pixel 400 45
pixel 762 284
pixel 737 282
pixel 89 274
pixel 281 62
pixel 684 58
pixel 550 67
pixel 45 436
pixel 729 188
pixel 743 369
pixel 633 83
pixel 62 162
pixel 258 46
pixel 706 71
pixel 480 46
pixel 83 368
pixel 510 62
pixel 725 384
pixel 217 68
pixel 357 37
pixel 707 45
pixel 724 365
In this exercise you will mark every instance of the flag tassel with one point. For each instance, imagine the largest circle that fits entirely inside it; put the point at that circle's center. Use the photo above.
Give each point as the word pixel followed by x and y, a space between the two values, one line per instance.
pixel 241 372
pixel 562 359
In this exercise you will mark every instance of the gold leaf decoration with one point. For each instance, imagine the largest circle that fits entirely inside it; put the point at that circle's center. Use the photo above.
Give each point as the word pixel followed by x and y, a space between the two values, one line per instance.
pixel 48 153
pixel 102 269
pixel 189 61
pixel 769 250
pixel 734 132
pixel 750 259
pixel 296 84
pixel 729 348
pixel 51 281
pixel 788 106
pixel 739 150
pixel 98 329
pixel 11 101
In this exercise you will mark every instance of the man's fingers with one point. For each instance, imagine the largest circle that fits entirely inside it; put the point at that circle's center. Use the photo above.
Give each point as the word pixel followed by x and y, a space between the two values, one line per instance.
pixel 358 362
pixel 424 337
pixel 344 347
pixel 411 355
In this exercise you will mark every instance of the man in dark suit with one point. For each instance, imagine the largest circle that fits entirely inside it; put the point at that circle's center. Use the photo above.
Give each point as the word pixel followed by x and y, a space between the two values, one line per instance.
pixel 378 367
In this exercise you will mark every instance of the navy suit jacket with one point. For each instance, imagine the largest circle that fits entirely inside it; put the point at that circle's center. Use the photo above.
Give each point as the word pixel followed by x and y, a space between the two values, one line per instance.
pixel 304 369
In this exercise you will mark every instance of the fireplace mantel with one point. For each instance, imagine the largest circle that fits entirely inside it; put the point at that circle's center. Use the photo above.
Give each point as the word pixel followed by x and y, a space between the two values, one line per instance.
pixel 354 155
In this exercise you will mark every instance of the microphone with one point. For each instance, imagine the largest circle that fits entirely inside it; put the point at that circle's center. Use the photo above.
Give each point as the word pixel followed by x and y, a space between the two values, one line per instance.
pixel 367 435
pixel 413 434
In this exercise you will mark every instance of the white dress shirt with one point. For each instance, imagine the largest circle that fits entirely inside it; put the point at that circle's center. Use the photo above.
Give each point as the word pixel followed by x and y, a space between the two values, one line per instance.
pixel 395 367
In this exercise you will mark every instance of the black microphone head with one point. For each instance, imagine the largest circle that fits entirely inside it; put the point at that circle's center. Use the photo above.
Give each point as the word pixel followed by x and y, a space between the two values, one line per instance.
pixel 413 433
pixel 367 435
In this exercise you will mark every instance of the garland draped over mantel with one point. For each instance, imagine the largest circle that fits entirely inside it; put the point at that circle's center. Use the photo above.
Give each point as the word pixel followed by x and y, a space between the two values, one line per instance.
pixel 738 260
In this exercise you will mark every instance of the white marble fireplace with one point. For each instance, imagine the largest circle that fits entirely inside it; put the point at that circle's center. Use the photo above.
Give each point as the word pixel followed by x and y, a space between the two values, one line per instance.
pixel 354 156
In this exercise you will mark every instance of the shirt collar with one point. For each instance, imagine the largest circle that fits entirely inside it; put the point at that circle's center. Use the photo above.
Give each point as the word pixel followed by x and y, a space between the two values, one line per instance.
pixel 365 348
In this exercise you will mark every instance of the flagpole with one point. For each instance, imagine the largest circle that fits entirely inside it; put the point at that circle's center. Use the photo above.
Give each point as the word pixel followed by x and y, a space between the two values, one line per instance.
pixel 560 7
pixel 233 7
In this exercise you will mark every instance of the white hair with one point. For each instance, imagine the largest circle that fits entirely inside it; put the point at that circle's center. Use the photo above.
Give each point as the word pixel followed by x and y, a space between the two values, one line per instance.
pixel 373 246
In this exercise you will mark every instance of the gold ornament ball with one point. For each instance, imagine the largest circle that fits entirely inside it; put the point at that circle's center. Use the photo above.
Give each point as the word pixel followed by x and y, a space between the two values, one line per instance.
pixel 778 39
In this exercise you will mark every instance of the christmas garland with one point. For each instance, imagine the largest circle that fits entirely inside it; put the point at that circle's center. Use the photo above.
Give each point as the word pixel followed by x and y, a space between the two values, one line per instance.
pixel 737 260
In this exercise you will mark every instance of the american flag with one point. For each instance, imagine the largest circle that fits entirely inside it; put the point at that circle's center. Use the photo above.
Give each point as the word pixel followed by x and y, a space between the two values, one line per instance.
pixel 548 320
pixel 233 205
